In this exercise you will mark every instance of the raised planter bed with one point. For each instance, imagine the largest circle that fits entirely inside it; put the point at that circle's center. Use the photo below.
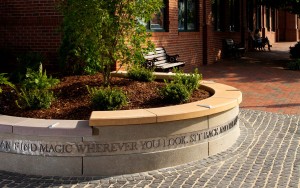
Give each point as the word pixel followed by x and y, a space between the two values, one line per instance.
pixel 121 142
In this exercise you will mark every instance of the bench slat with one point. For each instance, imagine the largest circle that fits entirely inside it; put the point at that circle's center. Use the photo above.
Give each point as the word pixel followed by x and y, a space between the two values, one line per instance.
pixel 156 55
pixel 162 63
pixel 160 52
pixel 170 65
pixel 161 58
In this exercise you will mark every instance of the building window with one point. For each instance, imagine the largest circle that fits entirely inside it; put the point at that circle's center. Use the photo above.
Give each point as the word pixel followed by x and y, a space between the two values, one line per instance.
pixel 187 15
pixel 234 7
pixel 273 19
pixel 258 17
pixel 250 15
pixel 268 18
pixel 159 20
pixel 217 18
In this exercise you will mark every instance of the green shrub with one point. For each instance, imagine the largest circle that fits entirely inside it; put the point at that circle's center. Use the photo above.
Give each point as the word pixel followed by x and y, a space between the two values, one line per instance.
pixel 191 81
pixel 38 80
pixel 34 99
pixel 140 73
pixel 175 93
pixel 4 81
pixel 294 65
pixel 35 90
pixel 181 87
pixel 107 98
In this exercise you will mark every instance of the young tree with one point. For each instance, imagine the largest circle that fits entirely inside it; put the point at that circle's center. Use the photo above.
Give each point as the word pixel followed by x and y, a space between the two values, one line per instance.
pixel 292 6
pixel 102 33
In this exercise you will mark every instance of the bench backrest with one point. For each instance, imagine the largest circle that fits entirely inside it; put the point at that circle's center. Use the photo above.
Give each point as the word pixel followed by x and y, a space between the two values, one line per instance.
pixel 159 54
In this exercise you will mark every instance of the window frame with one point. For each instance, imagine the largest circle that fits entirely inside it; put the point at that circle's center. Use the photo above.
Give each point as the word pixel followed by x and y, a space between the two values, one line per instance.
pixel 258 16
pixel 268 18
pixel 218 15
pixel 195 14
pixel 273 19
pixel 165 25
pixel 250 12
pixel 234 6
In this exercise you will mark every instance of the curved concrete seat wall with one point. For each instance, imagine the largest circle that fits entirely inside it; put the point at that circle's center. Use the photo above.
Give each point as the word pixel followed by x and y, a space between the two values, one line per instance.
pixel 120 142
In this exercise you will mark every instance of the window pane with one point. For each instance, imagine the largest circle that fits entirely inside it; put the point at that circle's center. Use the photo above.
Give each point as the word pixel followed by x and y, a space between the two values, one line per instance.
pixel 250 15
pixel 191 16
pixel 258 17
pixel 216 8
pixel 268 18
pixel 181 15
pixel 273 19
pixel 157 22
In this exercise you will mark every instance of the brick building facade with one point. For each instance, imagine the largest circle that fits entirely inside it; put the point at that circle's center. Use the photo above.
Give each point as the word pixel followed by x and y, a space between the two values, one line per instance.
pixel 194 29
pixel 30 25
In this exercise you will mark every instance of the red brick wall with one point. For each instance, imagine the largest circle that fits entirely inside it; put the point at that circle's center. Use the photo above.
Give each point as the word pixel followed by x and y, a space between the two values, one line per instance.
pixel 30 25
pixel 33 25
pixel 215 38
pixel 187 44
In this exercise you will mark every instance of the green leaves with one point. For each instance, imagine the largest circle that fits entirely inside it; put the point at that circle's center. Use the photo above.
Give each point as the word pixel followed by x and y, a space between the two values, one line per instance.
pixel 35 90
pixel 139 73
pixel 104 33
pixel 191 81
pixel 4 81
pixel 181 88
pixel 107 98
pixel 38 80
pixel 175 93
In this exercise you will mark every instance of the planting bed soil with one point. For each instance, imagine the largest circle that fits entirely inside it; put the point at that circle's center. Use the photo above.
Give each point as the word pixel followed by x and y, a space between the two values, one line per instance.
pixel 73 101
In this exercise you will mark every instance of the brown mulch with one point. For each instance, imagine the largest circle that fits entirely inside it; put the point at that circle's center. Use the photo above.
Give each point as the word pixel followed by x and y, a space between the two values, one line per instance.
pixel 73 101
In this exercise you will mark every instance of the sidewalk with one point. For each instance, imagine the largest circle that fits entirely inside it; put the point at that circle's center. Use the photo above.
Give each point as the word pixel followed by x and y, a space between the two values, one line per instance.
pixel 261 76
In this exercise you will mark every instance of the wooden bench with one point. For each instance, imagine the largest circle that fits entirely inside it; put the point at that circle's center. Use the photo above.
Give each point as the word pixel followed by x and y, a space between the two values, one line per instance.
pixel 231 49
pixel 161 61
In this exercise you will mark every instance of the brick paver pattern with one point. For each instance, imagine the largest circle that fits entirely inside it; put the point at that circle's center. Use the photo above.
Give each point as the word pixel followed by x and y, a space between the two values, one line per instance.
pixel 263 79
pixel 267 154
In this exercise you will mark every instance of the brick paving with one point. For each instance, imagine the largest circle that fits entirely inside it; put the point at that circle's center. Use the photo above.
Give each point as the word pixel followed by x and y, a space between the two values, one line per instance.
pixel 267 153
pixel 261 76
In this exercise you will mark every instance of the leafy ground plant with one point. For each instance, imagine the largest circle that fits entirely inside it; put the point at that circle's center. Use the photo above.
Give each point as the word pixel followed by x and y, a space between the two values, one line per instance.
pixel 140 73
pixel 175 93
pixel 35 90
pixel 107 98
pixel 4 81
pixel 181 87
pixel 191 80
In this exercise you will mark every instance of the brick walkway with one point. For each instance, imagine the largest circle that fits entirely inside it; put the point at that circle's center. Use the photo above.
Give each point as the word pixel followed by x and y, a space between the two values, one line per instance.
pixel 267 154
pixel 265 84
